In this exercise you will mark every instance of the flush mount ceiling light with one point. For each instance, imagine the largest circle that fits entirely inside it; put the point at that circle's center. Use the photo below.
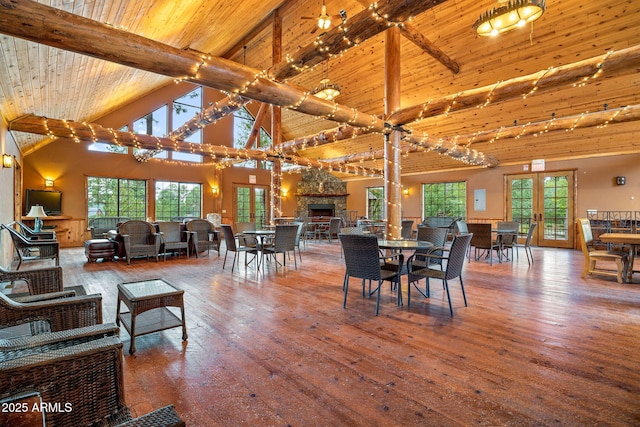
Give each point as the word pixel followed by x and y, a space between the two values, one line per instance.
pixel 326 90
pixel 516 13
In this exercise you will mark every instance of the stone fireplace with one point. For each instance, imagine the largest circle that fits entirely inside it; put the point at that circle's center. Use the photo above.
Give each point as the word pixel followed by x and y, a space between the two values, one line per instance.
pixel 320 194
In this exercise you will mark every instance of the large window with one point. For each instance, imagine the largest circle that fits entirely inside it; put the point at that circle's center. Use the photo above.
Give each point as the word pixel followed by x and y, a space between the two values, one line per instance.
pixel 154 123
pixel 177 199
pixel 116 197
pixel 375 203
pixel 184 109
pixel 445 199
pixel 242 124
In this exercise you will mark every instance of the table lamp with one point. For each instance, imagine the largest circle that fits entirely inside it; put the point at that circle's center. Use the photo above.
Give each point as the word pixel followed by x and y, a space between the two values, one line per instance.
pixel 37 212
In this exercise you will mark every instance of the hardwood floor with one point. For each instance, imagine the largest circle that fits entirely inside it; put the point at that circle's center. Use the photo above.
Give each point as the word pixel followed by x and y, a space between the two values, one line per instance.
pixel 536 346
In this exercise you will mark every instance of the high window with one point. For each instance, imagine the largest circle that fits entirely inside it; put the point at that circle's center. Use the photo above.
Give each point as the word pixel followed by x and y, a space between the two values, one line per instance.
pixel 116 197
pixel 178 199
pixel 154 123
pixel 445 199
pixel 184 109
pixel 375 203
pixel 242 124
pixel 104 147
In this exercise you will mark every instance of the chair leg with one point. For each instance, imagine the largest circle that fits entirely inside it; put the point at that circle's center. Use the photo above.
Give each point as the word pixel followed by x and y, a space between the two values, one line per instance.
pixel 446 286
pixel 345 286
pixel 463 294
pixel 224 262
pixel 378 297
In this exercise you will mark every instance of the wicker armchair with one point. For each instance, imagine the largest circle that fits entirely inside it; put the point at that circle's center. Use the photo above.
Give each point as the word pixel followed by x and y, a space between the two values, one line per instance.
pixel 39 281
pixel 140 239
pixel 59 311
pixel 453 269
pixel 284 241
pixel 30 250
pixel 81 368
pixel 362 260
pixel 172 238
pixel 203 236
pixel 31 234
pixel 101 225
pixel 483 242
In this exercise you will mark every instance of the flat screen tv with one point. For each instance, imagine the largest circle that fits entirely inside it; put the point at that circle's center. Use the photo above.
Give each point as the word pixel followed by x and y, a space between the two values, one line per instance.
pixel 50 200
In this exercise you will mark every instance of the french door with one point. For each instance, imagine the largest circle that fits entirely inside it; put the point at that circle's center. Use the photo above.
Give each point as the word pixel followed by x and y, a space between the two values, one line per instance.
pixel 547 198
pixel 250 204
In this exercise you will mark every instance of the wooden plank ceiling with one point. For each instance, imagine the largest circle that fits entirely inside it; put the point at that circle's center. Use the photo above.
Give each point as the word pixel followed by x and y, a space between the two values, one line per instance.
pixel 41 80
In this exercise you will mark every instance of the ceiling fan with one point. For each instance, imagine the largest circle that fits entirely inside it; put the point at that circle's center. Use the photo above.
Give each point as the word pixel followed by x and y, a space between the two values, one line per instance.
pixel 324 19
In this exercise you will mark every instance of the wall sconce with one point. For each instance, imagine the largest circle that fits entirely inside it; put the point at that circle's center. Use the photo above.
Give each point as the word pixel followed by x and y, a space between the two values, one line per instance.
pixel 7 160
pixel 214 190
pixel 405 191
pixel 284 192
pixel 48 183
pixel 621 180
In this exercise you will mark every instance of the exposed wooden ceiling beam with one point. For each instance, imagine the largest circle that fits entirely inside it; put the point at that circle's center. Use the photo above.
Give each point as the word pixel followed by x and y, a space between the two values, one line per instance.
pixel 90 133
pixel 617 63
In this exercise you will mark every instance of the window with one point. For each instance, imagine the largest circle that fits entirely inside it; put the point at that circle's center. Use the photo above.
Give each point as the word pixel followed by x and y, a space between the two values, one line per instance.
pixel 116 197
pixel 184 109
pixel 375 203
pixel 154 123
pixel 242 124
pixel 178 199
pixel 104 147
pixel 445 199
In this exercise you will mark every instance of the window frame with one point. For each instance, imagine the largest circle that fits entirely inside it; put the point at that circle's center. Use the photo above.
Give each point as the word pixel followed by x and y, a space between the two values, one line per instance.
pixel 448 209
pixel 120 188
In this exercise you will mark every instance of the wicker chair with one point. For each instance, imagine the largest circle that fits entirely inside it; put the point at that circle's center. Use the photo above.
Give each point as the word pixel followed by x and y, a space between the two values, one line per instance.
pixel 31 234
pixel 203 236
pixel 453 269
pixel 330 232
pixel 31 250
pixel 58 310
pixel 591 256
pixel 81 368
pixel 140 239
pixel 283 241
pixel 101 225
pixel 508 240
pixel 246 240
pixel 231 246
pixel 39 281
pixel 362 260
pixel 437 236
pixel 172 238
pixel 298 238
pixel 527 244
pixel 483 241
pixel 405 231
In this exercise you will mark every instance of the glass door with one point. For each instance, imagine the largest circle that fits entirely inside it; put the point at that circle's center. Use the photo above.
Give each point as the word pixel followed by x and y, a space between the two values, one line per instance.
pixel 546 198
pixel 250 204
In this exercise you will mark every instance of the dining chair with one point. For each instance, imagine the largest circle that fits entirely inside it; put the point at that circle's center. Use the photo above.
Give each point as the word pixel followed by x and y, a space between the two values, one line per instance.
pixel 454 263
pixel 140 239
pixel 508 240
pixel 231 246
pixel 406 226
pixel 527 244
pixel 284 241
pixel 483 242
pixel 592 256
pixel 331 231
pixel 438 237
pixel 363 261
pixel 300 225
pixel 241 227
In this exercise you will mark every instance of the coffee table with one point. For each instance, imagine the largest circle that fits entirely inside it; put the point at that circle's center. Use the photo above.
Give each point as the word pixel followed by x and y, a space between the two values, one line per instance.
pixel 147 301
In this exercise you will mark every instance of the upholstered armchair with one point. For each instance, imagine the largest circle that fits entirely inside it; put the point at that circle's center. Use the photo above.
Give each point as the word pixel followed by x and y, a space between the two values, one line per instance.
pixel 140 239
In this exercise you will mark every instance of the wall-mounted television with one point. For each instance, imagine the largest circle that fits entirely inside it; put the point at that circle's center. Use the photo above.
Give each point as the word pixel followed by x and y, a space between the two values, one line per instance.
pixel 50 200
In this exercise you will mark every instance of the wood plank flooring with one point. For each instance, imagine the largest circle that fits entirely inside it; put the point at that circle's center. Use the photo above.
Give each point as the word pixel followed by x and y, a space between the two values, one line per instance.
pixel 537 346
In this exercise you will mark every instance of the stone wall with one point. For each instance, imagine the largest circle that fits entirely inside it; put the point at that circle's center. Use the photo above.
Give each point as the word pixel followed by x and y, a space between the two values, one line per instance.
pixel 320 187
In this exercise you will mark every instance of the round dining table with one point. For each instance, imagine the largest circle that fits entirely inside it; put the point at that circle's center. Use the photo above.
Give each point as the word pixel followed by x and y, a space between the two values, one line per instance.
pixel 402 244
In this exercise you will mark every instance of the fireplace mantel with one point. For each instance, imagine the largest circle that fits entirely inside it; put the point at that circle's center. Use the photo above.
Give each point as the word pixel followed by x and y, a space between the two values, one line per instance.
pixel 323 195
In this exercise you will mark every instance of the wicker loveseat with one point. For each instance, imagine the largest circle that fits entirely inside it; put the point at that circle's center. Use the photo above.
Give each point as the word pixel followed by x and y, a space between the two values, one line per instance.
pixel 99 226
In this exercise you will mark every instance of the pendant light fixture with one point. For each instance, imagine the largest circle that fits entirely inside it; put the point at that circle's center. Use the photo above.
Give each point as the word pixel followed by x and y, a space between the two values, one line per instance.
pixel 515 14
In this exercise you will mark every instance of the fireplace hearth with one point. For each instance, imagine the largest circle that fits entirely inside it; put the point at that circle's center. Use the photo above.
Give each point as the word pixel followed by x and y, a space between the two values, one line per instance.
pixel 321 209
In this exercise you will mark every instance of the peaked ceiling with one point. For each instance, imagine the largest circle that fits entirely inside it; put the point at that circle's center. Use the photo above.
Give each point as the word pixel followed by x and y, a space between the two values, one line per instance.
pixel 36 79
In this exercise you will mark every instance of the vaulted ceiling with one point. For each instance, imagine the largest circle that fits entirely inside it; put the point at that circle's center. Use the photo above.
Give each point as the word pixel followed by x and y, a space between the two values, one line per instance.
pixel 36 79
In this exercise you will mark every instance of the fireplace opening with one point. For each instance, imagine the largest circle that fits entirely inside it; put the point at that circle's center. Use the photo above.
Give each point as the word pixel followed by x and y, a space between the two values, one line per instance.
pixel 321 209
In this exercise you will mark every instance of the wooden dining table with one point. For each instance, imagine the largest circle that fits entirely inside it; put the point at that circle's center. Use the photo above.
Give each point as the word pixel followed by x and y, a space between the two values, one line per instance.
pixel 630 239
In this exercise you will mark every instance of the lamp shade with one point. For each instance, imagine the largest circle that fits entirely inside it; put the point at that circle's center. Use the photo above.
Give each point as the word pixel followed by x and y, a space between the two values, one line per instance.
pixel 36 211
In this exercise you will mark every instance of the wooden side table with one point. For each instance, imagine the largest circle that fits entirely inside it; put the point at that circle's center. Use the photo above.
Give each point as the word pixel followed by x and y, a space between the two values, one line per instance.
pixel 152 296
